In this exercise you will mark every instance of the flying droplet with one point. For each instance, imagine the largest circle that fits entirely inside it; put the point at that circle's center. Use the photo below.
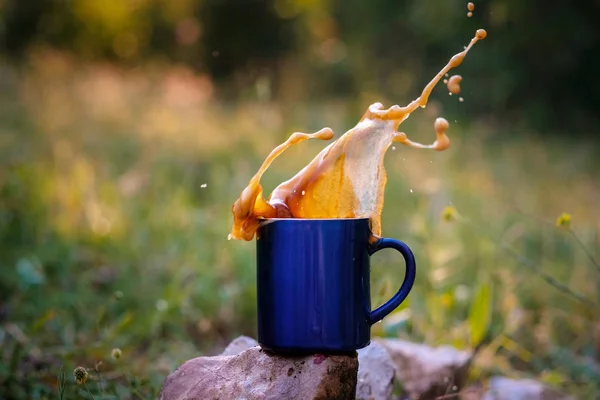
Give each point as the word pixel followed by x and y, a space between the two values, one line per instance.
pixel 461 99
pixel 445 81
pixel 393 147
pixel 411 190
pixel 441 125
pixel 203 185
pixel 470 6
pixel 303 192
pixel 469 14
pixel 454 84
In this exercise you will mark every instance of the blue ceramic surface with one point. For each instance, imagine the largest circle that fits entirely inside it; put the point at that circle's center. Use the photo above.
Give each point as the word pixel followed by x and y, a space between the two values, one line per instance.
pixel 313 284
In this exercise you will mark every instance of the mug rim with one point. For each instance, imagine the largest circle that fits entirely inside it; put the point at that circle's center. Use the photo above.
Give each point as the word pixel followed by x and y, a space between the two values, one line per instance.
pixel 313 219
pixel 268 221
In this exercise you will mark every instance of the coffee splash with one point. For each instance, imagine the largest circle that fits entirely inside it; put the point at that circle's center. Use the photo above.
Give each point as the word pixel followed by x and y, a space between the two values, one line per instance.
pixel 347 178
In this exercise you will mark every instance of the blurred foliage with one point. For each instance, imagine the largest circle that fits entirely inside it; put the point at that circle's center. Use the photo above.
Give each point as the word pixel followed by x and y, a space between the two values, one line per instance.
pixel 538 61
pixel 128 128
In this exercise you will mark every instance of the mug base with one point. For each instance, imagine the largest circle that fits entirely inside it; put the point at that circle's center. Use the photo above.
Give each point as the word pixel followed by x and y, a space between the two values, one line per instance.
pixel 305 351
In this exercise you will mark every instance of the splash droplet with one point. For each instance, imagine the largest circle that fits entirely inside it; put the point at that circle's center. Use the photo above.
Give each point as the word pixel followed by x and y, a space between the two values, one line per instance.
pixel 203 185
pixel 441 125
pixel 454 84
pixel 461 99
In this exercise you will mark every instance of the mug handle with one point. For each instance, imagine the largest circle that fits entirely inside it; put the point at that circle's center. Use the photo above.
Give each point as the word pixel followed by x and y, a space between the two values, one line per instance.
pixel 409 279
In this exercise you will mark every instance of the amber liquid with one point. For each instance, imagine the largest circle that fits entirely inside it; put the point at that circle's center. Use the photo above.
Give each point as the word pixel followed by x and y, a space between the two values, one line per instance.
pixel 347 178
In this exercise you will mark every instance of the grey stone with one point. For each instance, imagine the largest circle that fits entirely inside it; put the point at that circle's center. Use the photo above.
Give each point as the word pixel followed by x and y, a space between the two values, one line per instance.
pixel 254 374
pixel 238 345
pixel 376 372
pixel 427 372
pixel 501 388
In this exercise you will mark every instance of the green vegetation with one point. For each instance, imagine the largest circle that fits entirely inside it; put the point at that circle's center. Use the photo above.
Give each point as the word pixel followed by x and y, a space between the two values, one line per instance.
pixel 109 239
pixel 539 57
pixel 117 176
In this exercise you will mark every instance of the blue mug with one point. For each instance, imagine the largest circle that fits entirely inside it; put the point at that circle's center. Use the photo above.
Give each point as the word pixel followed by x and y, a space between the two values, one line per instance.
pixel 313 288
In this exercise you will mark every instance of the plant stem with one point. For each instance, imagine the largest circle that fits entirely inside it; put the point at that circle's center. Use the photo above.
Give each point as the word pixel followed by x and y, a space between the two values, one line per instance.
pixel 547 277
pixel 586 251
pixel 531 265
pixel 61 383
pixel 88 389
pixel 571 231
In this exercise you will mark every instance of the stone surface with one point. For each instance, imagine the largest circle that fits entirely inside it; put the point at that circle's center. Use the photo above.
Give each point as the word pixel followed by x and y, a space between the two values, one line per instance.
pixel 254 374
pixel 245 371
pixel 427 372
pixel 376 372
pixel 238 345
pixel 501 388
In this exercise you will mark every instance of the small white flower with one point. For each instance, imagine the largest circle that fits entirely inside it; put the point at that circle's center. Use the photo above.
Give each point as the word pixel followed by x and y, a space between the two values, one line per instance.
pixel 162 305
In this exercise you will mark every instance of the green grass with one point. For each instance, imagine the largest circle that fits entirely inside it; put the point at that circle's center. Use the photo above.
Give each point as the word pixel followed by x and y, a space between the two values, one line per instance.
pixel 108 240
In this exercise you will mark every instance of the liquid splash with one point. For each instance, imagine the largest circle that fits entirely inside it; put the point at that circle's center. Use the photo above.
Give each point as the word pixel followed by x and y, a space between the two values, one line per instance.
pixel 453 84
pixel 347 178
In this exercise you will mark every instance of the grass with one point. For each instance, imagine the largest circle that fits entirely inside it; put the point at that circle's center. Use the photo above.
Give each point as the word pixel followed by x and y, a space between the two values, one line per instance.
pixel 109 241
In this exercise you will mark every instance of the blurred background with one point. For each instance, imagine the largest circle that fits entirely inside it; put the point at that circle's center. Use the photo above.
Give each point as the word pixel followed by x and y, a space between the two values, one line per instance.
pixel 129 127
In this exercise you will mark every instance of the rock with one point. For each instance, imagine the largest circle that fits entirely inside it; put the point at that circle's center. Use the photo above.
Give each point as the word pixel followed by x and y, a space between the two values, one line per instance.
pixel 428 372
pixel 255 374
pixel 501 388
pixel 238 345
pixel 376 372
